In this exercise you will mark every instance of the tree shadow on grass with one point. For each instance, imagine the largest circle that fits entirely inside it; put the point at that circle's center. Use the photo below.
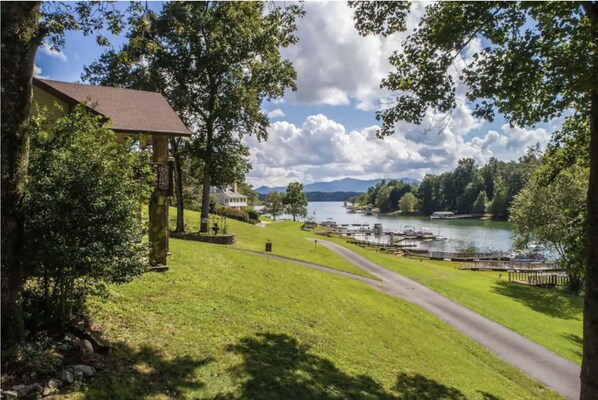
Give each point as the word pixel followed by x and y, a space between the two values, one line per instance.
pixel 551 302
pixel 576 340
pixel 137 374
pixel 277 366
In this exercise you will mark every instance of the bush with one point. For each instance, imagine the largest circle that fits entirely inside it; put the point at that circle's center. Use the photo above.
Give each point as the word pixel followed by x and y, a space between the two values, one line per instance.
pixel 83 219
pixel 253 215
pixel 253 221
pixel 234 213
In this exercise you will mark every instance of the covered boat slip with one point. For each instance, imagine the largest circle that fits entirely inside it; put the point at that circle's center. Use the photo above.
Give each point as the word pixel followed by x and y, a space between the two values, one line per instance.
pixel 128 113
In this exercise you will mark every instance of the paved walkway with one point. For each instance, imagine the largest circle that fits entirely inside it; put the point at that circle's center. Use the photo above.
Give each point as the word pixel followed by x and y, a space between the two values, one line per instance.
pixel 554 371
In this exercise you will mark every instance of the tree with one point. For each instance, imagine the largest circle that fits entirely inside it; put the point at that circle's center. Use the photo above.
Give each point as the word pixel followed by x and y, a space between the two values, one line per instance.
pixel 553 214
pixel 536 62
pixel 295 200
pixel 479 207
pixel 25 26
pixel 220 60
pixel 408 203
pixel 83 225
pixel 252 196
pixel 274 204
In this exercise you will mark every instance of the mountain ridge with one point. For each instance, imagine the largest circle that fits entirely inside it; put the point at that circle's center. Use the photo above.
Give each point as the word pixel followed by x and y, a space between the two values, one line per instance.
pixel 339 185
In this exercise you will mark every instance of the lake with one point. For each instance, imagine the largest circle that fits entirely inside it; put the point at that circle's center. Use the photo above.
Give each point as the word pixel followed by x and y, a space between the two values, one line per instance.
pixel 475 234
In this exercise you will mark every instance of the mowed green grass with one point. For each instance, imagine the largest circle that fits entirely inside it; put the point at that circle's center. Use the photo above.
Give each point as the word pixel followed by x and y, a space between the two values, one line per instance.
pixel 287 241
pixel 551 318
pixel 223 324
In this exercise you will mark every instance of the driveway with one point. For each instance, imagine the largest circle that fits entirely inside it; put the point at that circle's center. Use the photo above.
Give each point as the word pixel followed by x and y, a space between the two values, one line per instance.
pixel 552 370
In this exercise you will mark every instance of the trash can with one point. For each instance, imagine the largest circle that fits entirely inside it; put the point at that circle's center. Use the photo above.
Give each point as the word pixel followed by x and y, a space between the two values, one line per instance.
pixel 269 246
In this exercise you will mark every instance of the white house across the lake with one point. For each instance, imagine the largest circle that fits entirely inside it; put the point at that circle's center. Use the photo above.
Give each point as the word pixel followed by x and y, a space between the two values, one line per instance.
pixel 229 197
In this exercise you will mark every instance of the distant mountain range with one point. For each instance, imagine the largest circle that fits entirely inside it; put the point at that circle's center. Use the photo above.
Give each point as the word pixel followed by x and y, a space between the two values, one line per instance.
pixel 340 185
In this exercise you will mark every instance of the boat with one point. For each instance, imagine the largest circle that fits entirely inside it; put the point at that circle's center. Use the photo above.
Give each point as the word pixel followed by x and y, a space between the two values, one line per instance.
pixel 426 233
pixel 330 223
pixel 442 215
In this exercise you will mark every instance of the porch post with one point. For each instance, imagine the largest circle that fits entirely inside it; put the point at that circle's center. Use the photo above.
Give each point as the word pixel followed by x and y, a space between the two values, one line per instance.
pixel 158 207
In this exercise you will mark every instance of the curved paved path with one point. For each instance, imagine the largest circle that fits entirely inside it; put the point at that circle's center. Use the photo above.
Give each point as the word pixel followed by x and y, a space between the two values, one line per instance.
pixel 552 370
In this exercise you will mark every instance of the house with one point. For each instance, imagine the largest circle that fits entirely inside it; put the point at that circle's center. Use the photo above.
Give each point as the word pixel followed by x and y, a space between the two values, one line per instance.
pixel 129 113
pixel 229 197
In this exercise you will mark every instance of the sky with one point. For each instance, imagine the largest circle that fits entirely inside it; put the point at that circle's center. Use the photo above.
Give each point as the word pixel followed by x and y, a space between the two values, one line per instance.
pixel 326 130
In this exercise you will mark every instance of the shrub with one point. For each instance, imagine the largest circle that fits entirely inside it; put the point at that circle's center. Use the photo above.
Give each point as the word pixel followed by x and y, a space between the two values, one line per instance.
pixel 83 223
pixel 234 213
pixel 252 214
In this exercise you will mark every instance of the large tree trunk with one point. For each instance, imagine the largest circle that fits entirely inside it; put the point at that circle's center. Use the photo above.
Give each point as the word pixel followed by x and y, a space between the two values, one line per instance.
pixel 178 179
pixel 589 367
pixel 20 40
pixel 205 197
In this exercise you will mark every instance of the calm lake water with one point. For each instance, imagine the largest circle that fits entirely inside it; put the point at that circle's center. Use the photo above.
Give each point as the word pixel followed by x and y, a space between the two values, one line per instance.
pixel 481 235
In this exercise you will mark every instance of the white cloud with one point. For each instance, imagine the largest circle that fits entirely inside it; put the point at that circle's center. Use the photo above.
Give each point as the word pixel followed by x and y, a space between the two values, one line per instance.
pixel 37 72
pixel 322 149
pixel 336 65
pixel 519 139
pixel 58 54
pixel 276 113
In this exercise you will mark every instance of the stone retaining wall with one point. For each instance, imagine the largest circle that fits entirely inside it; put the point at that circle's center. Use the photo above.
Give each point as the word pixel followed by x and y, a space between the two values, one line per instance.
pixel 218 239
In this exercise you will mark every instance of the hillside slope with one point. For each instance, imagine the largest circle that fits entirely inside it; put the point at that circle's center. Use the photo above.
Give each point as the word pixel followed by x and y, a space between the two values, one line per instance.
pixel 230 325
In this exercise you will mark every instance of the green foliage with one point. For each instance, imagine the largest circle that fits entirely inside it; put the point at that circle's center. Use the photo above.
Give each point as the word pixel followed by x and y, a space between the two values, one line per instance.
pixel 537 64
pixel 274 204
pixel 479 207
pixel 459 190
pixel 252 196
pixel 386 195
pixel 552 210
pixel 83 219
pixel 229 212
pixel 359 200
pixel 215 62
pixel 295 201
pixel 253 215
pixel 408 203
pixel 56 18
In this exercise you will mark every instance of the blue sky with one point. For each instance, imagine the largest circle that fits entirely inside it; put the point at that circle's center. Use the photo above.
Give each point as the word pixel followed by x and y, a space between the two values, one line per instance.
pixel 326 129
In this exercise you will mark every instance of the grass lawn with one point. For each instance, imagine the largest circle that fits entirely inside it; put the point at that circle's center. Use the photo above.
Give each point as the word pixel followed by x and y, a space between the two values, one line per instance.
pixel 223 324
pixel 551 318
pixel 287 240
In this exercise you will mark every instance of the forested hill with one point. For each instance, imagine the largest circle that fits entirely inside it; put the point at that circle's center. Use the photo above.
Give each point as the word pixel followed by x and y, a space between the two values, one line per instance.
pixel 323 196
pixel 467 189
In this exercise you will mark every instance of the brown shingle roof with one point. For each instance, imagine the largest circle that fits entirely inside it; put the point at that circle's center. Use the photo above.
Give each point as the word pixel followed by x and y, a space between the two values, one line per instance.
pixel 128 110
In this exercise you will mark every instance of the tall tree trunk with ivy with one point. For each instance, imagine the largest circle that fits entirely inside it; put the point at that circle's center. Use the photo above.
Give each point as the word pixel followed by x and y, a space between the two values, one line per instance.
pixel 178 180
pixel 21 38
pixel 207 181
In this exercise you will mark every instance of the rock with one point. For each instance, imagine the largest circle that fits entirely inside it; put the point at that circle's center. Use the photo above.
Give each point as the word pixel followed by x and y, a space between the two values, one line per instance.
pixel 54 383
pixel 85 347
pixel 25 390
pixel 67 376
pixel 86 370
pixel 9 394
pixel 46 391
